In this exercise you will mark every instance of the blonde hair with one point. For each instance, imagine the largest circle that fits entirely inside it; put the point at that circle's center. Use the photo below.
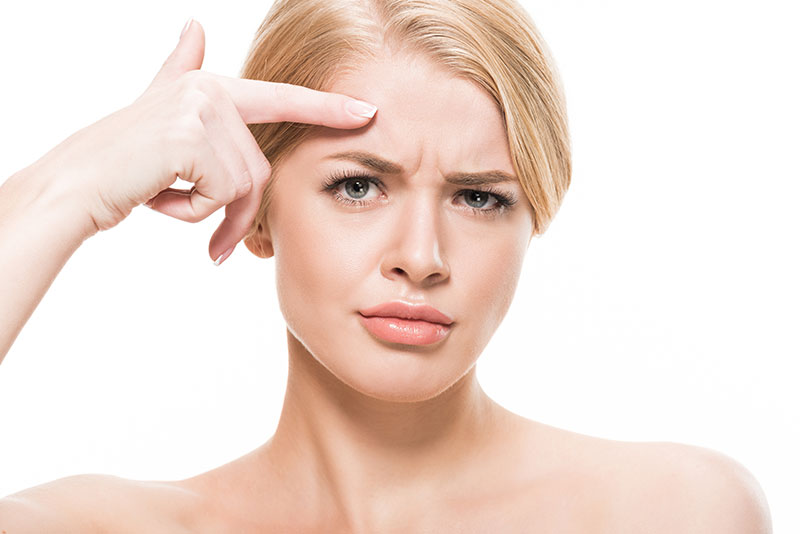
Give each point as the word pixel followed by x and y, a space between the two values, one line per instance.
pixel 493 43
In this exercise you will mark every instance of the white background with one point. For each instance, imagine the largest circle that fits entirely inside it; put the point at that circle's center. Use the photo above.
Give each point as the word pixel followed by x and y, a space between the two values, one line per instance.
pixel 661 304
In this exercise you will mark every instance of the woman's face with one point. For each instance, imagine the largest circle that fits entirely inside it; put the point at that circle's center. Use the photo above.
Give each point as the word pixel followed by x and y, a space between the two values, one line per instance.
pixel 399 230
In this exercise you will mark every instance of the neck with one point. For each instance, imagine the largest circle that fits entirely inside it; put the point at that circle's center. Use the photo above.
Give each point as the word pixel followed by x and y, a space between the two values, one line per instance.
pixel 344 449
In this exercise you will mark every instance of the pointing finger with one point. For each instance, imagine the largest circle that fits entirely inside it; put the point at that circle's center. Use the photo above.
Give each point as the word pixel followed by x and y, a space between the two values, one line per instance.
pixel 259 101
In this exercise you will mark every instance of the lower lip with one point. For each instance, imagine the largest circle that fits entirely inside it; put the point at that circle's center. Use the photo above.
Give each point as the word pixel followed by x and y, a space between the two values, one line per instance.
pixel 405 331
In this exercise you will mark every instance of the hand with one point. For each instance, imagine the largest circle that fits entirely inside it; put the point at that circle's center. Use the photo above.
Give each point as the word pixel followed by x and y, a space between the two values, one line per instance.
pixel 191 124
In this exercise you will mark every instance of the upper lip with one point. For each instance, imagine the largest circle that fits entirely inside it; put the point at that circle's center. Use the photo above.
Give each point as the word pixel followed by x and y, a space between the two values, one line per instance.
pixel 405 310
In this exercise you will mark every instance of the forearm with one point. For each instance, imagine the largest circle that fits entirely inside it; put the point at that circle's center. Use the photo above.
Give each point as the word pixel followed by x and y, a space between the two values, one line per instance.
pixel 41 224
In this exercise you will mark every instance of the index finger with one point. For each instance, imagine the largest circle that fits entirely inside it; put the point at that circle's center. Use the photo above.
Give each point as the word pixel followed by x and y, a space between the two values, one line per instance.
pixel 259 101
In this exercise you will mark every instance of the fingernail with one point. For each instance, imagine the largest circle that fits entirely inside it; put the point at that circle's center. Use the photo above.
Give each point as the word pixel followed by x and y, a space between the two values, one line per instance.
pixel 186 26
pixel 224 256
pixel 360 109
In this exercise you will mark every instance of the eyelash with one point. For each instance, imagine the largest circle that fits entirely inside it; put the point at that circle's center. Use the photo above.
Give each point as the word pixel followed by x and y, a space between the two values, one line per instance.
pixel 503 201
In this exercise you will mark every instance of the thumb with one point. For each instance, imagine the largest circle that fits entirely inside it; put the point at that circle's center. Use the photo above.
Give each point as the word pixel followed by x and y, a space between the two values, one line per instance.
pixel 188 54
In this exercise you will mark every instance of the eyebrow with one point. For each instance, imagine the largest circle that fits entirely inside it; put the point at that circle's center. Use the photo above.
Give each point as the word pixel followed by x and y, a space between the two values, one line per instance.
pixel 383 166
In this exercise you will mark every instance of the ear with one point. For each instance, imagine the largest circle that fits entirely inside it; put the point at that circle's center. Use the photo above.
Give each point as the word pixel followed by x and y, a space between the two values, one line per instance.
pixel 260 243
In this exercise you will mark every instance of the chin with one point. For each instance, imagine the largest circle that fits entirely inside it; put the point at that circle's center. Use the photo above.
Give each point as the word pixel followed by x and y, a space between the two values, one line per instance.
pixel 396 373
pixel 390 372
pixel 397 388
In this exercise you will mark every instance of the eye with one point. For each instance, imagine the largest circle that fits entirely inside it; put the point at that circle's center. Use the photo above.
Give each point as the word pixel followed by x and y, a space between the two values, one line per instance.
pixel 356 187
pixel 353 188
pixel 478 199
pixel 497 201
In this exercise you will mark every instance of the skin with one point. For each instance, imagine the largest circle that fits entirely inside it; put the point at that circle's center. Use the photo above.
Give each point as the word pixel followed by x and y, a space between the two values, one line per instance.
pixel 378 437
pixel 387 423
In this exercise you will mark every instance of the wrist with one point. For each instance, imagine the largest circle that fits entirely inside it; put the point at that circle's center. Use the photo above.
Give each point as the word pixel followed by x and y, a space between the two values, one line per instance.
pixel 42 192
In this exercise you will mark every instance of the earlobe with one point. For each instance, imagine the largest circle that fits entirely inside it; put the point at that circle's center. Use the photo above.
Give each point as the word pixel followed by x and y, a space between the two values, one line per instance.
pixel 260 243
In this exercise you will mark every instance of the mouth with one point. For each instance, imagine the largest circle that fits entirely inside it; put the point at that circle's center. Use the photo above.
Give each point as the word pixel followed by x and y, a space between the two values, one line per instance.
pixel 405 331
pixel 406 310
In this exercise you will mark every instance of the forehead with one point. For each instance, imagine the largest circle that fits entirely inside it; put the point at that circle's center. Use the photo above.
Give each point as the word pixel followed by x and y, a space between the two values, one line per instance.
pixel 425 115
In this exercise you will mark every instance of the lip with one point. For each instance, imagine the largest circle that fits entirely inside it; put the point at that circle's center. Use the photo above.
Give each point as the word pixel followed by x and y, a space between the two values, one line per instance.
pixel 405 331
pixel 404 310
pixel 407 324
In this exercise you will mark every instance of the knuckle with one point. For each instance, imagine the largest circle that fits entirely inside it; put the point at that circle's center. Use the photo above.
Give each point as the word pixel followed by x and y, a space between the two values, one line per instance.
pixel 193 102
pixel 199 212
pixel 197 92
pixel 231 192
pixel 188 128
pixel 201 103
pixel 245 185
pixel 263 171
pixel 210 87
pixel 191 78
pixel 188 83
pixel 195 217
pixel 187 133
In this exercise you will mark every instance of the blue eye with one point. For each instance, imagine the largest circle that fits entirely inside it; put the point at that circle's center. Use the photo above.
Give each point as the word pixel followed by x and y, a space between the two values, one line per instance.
pixel 479 197
pixel 358 185
pixel 356 188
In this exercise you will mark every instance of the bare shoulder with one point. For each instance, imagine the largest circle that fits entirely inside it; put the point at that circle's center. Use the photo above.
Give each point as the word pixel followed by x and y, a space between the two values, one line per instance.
pixel 95 503
pixel 615 486
pixel 672 487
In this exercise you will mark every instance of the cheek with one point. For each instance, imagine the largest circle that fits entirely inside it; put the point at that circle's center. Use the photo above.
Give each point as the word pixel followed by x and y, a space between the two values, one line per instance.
pixel 320 263
pixel 490 274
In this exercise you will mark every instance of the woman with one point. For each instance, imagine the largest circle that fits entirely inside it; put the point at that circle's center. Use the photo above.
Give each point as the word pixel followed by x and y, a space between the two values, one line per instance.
pixel 398 239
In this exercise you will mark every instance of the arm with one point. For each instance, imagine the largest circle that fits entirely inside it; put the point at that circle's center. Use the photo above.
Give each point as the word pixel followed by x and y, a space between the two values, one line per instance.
pixel 190 123
pixel 41 224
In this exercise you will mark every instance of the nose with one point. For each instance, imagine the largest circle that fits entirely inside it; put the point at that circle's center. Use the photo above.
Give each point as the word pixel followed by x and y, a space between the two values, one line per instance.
pixel 414 250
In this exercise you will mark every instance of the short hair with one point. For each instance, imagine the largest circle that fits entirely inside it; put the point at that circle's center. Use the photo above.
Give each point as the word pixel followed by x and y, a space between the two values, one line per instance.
pixel 492 43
